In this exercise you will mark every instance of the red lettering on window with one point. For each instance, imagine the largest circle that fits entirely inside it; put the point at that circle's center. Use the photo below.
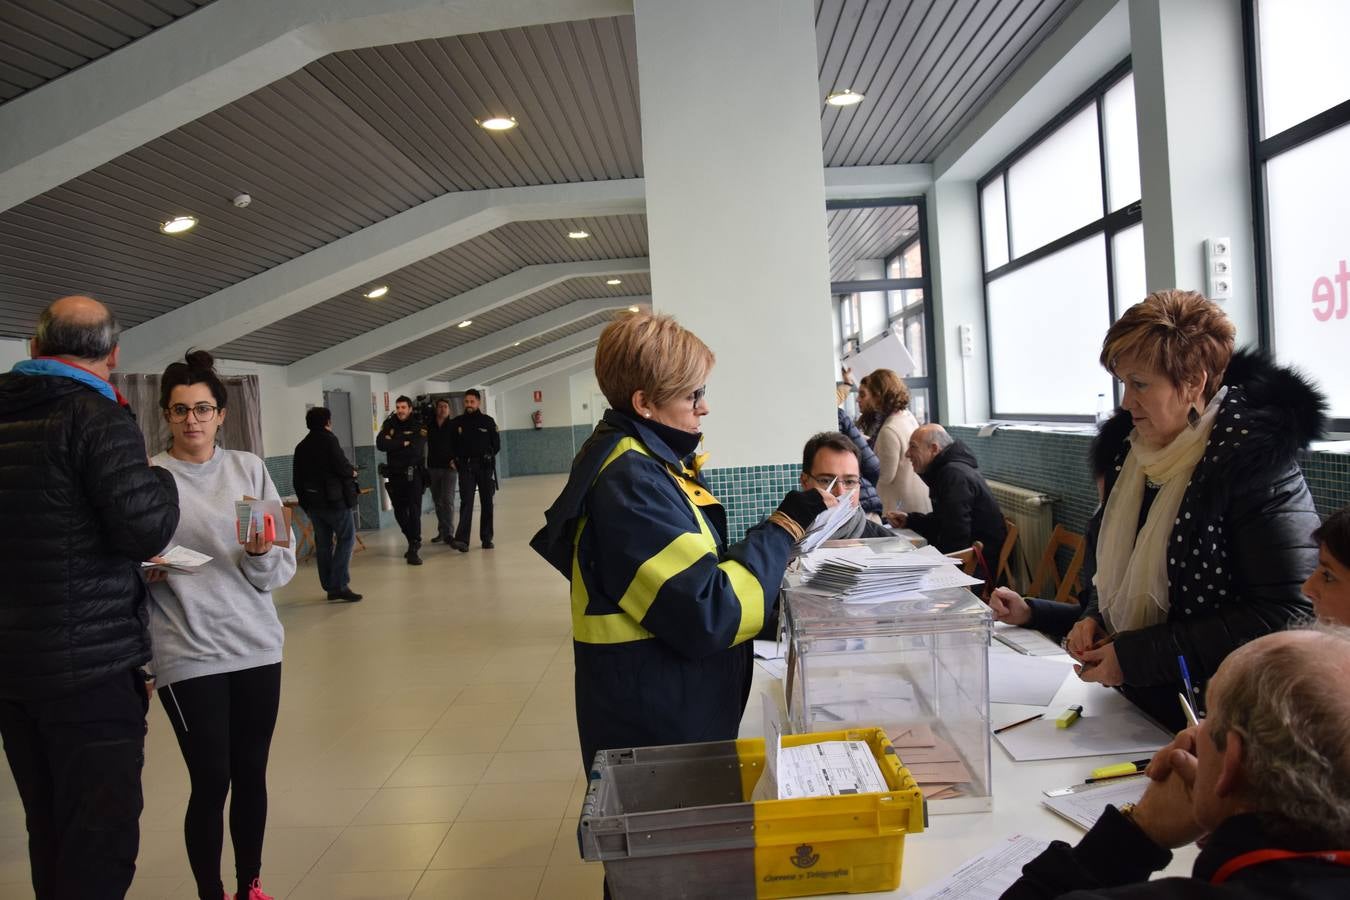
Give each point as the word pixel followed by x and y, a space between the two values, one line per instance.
pixel 1325 307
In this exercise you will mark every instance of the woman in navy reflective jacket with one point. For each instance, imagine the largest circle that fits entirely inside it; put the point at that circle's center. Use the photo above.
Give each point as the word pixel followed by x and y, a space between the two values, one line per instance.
pixel 663 609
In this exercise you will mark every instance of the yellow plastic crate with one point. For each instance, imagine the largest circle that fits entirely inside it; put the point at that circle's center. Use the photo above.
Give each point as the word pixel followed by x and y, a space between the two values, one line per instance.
pixel 674 822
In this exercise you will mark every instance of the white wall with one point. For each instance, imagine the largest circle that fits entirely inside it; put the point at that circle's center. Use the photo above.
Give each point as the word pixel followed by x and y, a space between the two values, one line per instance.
pixel 11 352
pixel 584 387
pixel 515 406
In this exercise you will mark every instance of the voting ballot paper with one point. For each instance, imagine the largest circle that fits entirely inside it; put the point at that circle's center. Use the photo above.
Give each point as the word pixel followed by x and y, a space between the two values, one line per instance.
pixel 828 769
pixel 988 875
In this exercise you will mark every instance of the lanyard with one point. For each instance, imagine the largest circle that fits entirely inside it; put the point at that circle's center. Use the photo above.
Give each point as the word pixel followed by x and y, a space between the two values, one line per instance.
pixel 1257 857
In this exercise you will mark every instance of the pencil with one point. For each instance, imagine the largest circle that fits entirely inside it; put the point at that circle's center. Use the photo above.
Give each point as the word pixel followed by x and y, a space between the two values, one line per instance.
pixel 1021 722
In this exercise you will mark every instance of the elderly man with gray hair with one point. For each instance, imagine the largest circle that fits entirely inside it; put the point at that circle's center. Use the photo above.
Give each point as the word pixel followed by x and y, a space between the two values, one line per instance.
pixel 964 510
pixel 80 508
pixel 1265 780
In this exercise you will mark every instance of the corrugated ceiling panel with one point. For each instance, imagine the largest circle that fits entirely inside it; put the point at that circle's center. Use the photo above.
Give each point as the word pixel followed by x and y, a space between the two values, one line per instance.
pixel 589 346
pixel 572 86
pixel 542 340
pixel 526 307
pixel 440 277
pixel 872 232
pixel 41 40
pixel 924 67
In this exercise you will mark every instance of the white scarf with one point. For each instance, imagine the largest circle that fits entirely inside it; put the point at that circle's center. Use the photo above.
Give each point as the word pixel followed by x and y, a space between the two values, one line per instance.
pixel 1131 577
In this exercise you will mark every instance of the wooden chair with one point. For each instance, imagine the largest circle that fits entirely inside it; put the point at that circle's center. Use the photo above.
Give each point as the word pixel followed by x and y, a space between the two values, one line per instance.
pixel 969 557
pixel 1003 574
pixel 1066 587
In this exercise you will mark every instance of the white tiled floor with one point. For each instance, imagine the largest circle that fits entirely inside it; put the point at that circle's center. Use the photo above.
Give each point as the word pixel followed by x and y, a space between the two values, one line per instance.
pixel 426 745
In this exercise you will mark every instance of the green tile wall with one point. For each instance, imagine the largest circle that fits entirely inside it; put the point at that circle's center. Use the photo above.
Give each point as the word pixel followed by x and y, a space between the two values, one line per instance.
pixel 1057 463
pixel 749 493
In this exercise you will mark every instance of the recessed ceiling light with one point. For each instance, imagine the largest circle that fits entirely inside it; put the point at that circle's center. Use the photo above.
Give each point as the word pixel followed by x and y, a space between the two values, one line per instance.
pixel 578 235
pixel 614 281
pixel 632 309
pixel 376 293
pixel 846 97
pixel 516 344
pixel 465 324
pixel 498 123
pixel 178 224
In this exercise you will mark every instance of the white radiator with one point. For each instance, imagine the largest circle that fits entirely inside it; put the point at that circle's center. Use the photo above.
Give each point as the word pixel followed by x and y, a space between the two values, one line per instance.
pixel 1033 512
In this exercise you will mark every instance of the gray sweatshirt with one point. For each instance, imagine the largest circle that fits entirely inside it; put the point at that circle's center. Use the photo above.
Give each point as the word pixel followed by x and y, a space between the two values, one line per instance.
pixel 221 619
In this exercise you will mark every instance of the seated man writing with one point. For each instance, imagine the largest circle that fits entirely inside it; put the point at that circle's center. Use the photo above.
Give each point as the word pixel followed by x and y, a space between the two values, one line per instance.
pixel 964 511
pixel 830 461
pixel 1265 779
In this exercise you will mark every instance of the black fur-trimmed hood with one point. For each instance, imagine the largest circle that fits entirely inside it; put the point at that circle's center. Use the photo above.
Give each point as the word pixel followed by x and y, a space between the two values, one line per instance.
pixel 1276 410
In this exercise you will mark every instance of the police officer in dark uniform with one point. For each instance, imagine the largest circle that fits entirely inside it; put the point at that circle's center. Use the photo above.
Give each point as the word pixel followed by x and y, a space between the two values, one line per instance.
pixel 476 444
pixel 403 438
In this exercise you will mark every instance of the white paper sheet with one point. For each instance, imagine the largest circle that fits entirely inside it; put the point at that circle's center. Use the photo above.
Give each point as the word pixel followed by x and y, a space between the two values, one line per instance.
pixel 988 875
pixel 768 650
pixel 827 523
pixel 1120 733
pixel 1086 803
pixel 179 559
pixel 828 769
pixel 1025 640
pixel 1029 680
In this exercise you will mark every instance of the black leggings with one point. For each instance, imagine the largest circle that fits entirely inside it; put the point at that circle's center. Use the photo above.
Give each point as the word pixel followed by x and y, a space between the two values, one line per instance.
pixel 224 725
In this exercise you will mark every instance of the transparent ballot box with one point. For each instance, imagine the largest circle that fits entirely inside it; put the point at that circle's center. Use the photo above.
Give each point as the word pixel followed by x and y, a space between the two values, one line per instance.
pixel 917 668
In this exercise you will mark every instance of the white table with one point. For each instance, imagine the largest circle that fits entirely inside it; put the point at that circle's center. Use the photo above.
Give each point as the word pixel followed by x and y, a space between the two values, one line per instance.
pixel 952 839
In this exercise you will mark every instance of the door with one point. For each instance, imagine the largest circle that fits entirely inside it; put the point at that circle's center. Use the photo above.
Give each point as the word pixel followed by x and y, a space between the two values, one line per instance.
pixel 339 403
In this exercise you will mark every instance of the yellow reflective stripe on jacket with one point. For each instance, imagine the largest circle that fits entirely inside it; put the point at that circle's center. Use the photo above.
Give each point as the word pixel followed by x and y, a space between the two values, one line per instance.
pixel 681 553
pixel 610 628
pixel 750 593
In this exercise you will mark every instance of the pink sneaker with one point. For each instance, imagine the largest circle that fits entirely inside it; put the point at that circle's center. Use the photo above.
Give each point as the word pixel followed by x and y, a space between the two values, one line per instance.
pixel 255 892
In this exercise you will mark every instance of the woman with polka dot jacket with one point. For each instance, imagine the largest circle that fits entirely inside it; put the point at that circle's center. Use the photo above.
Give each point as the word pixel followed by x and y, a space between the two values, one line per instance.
pixel 1204 541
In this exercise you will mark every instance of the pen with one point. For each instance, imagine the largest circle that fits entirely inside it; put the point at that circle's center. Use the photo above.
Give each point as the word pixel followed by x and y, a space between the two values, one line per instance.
pixel 1020 722
pixel 1187 711
pixel 1186 677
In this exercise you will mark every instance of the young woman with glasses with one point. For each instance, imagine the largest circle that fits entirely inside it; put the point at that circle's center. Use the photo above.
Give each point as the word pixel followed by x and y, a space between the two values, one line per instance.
pixel 215 634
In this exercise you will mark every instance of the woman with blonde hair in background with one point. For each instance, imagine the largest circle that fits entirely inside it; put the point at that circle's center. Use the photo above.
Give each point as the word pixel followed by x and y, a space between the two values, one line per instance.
pixel 888 423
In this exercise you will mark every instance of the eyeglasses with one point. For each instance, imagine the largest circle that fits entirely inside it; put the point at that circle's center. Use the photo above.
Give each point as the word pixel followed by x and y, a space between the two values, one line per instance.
pixel 202 412
pixel 825 482
pixel 697 396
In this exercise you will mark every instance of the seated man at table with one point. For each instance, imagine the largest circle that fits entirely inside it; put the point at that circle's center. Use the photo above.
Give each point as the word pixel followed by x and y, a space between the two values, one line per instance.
pixel 830 461
pixel 964 510
pixel 1265 779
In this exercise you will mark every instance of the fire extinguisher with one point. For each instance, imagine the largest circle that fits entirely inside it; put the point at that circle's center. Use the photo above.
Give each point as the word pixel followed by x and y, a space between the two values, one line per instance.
pixel 537 417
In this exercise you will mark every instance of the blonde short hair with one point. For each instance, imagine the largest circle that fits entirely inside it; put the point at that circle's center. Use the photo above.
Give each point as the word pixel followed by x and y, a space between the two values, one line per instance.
pixel 1179 333
pixel 650 353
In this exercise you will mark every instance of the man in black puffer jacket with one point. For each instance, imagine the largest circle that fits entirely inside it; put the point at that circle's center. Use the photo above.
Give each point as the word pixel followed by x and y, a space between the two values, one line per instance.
pixel 80 508
pixel 964 510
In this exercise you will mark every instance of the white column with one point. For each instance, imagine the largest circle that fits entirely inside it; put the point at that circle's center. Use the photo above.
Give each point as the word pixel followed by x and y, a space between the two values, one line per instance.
pixel 1191 108
pixel 736 212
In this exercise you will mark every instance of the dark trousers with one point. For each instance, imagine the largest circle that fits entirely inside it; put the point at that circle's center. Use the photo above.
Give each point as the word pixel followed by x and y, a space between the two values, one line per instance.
pixel 334 537
pixel 224 726
pixel 480 476
pixel 443 495
pixel 77 763
pixel 406 496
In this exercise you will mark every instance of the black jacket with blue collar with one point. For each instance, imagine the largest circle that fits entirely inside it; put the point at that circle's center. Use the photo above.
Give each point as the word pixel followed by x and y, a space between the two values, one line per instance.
pixel 662 608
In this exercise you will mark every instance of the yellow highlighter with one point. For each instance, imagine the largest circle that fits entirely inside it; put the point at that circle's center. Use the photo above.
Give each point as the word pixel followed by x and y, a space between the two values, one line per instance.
pixel 1119 770
pixel 1069 716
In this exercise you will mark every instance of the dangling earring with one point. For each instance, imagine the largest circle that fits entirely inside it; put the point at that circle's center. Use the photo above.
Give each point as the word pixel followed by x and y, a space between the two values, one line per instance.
pixel 1193 416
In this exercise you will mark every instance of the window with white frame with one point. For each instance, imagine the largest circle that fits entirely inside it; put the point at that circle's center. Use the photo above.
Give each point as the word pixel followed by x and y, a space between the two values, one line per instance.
pixel 1299 96
pixel 1063 247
